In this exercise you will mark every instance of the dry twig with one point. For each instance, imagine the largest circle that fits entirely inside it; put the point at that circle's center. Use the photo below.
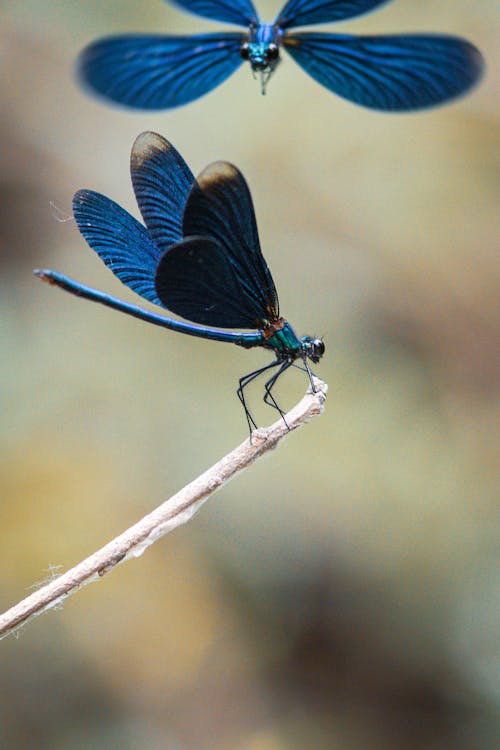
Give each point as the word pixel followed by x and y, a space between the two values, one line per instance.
pixel 179 509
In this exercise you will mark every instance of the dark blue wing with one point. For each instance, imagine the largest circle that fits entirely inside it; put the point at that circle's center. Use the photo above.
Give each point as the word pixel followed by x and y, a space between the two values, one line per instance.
pixel 306 12
pixel 158 72
pixel 161 180
pixel 395 73
pixel 239 12
pixel 220 206
pixel 195 280
pixel 119 240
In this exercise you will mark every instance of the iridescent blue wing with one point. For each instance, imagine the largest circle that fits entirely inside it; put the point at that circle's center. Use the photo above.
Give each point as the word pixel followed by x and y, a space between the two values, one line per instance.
pixel 217 275
pixel 161 180
pixel 195 280
pixel 119 240
pixel 306 12
pixel 239 12
pixel 392 73
pixel 159 72
pixel 220 206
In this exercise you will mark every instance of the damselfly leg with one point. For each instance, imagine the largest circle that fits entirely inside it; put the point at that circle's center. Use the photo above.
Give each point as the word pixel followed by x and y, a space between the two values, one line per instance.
pixel 246 380
pixel 269 399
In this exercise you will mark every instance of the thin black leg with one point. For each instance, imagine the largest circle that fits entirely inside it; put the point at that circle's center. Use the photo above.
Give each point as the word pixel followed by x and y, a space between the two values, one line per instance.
pixel 309 372
pixel 307 369
pixel 246 380
pixel 269 399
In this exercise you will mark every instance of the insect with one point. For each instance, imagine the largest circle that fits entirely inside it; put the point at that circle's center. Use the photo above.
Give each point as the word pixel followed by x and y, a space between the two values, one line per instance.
pixel 392 73
pixel 198 255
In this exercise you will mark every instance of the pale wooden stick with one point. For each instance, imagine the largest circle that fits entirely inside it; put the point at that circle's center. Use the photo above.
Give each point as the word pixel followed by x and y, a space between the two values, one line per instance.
pixel 172 513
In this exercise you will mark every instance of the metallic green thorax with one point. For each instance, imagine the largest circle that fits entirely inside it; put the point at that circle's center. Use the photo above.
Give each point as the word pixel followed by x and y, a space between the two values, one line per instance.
pixel 284 341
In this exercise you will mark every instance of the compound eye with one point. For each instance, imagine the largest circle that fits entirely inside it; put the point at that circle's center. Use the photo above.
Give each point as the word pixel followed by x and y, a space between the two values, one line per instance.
pixel 318 347
pixel 244 51
pixel 273 51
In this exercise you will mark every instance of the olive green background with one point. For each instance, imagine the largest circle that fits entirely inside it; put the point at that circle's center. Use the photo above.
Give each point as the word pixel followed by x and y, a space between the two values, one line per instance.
pixel 339 595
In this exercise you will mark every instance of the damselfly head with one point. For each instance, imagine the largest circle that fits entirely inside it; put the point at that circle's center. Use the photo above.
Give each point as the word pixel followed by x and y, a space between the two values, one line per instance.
pixel 262 50
pixel 313 348
pixel 262 56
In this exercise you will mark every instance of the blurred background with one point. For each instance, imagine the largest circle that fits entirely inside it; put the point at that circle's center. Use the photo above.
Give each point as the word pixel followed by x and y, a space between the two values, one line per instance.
pixel 341 594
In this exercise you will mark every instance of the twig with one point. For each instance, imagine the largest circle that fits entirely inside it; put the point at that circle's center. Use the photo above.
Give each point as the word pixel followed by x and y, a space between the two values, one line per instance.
pixel 179 509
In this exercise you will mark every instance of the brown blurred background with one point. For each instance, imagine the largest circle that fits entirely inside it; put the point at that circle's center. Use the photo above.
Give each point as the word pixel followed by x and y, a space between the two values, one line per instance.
pixel 342 594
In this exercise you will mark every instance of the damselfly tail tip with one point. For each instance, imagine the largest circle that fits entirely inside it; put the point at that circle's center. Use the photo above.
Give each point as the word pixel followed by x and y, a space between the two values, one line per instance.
pixel 45 275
